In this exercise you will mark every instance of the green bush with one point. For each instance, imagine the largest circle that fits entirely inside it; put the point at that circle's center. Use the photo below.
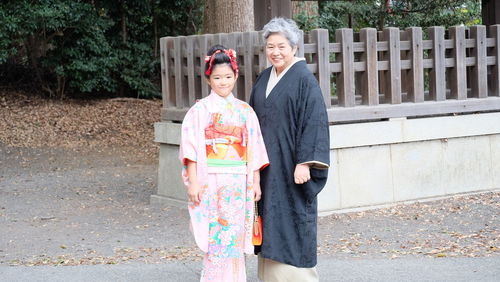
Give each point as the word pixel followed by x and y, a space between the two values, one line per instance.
pixel 98 47
pixel 359 14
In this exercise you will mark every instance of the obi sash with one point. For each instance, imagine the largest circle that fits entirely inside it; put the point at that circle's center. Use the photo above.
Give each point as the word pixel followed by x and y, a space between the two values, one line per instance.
pixel 226 145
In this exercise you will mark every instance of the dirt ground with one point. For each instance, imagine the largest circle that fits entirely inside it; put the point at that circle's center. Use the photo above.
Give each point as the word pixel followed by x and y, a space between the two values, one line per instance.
pixel 71 198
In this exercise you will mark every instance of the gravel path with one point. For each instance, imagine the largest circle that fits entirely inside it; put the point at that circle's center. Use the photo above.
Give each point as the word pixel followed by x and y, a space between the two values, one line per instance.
pixel 68 207
pixel 76 207
pixel 484 269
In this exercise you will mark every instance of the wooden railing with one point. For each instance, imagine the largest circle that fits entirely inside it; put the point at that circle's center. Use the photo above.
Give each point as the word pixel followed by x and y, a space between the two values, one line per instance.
pixel 363 76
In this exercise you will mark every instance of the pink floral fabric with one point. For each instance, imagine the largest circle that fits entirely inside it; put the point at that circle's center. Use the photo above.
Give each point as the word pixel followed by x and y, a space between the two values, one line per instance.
pixel 222 222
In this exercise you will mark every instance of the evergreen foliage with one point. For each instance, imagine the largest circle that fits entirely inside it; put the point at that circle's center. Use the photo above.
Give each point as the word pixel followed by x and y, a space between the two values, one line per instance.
pixel 67 47
pixel 359 14
pixel 90 46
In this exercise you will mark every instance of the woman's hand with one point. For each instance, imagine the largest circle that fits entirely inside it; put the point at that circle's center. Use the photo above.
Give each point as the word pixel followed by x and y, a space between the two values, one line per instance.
pixel 194 192
pixel 301 174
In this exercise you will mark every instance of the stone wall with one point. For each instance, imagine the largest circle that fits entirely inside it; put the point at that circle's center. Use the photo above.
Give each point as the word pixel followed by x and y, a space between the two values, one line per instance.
pixel 384 162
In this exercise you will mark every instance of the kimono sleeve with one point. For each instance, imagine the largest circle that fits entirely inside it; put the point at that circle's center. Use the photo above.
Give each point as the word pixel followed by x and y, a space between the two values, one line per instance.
pixel 313 139
pixel 257 154
pixel 189 141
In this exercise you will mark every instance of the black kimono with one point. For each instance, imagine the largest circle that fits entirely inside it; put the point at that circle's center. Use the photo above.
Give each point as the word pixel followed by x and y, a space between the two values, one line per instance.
pixel 294 125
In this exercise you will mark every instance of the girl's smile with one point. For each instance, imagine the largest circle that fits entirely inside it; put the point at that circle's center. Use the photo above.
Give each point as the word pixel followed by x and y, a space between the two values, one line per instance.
pixel 222 79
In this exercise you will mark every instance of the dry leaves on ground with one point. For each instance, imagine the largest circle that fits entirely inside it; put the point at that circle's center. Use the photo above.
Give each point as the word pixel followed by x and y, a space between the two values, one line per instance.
pixel 32 121
pixel 460 226
pixel 121 255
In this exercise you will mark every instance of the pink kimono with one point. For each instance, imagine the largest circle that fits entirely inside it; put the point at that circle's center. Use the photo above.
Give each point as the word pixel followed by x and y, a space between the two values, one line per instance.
pixel 223 136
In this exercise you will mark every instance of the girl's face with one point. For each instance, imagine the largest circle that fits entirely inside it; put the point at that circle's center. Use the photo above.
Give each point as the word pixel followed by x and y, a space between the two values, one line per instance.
pixel 222 79
pixel 279 52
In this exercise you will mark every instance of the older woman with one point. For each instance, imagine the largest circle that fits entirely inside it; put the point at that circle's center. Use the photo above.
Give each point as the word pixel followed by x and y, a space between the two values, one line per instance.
pixel 294 124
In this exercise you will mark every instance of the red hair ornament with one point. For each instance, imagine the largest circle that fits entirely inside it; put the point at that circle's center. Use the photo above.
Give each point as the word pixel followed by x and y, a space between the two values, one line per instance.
pixel 232 57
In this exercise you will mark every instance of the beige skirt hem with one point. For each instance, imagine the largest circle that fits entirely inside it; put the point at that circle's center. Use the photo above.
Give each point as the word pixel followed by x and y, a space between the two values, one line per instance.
pixel 273 271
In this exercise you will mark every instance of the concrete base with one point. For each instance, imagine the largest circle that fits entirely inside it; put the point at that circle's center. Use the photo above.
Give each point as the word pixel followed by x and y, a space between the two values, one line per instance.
pixel 379 163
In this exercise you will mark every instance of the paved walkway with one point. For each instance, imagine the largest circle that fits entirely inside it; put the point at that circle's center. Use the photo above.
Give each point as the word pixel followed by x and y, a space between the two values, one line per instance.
pixel 60 207
pixel 402 269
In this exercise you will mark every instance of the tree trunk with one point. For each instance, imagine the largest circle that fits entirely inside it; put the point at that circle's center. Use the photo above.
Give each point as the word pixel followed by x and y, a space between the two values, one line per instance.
pixel 124 22
pixel 308 8
pixel 321 6
pixel 156 41
pixel 490 11
pixel 381 19
pixel 123 12
pixel 35 50
pixel 228 16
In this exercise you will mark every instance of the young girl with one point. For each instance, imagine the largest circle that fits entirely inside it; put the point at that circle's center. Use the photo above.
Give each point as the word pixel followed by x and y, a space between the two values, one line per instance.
pixel 222 152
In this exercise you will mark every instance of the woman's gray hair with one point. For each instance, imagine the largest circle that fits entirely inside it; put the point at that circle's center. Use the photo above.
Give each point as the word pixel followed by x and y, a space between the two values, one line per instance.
pixel 285 27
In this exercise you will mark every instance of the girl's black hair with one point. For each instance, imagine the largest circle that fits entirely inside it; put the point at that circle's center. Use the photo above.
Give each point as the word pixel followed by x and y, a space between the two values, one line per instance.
pixel 219 58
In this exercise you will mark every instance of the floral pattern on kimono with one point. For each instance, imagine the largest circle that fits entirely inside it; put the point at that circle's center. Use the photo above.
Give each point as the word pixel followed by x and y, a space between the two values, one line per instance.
pixel 223 136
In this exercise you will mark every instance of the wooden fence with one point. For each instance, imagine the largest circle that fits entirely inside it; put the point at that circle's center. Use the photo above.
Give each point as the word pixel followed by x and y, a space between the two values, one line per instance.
pixel 363 76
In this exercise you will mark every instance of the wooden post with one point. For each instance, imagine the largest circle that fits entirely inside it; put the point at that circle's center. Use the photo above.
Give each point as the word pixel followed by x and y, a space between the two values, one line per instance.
pixel 437 89
pixel 248 62
pixel 178 72
pixel 190 69
pixel 257 52
pixel 261 52
pixel 479 85
pixel 495 69
pixel 383 56
pixel 203 49
pixel 404 37
pixel 265 10
pixel 214 39
pixel 369 78
pixel 300 45
pixel 416 73
pixel 393 82
pixel 232 43
pixel 165 45
pixel 239 56
pixel 224 39
pixel 211 40
pixel 458 77
pixel 345 80
pixel 322 60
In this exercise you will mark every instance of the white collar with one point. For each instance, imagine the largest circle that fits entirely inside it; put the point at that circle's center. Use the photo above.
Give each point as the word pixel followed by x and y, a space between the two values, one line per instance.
pixel 274 79
pixel 295 60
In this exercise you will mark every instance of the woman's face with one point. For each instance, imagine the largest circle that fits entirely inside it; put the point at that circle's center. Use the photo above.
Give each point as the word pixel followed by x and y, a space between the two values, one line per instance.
pixel 222 79
pixel 279 51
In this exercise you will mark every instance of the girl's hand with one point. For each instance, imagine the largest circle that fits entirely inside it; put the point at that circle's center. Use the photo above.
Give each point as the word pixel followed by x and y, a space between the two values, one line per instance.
pixel 193 189
pixel 301 174
pixel 257 193
pixel 194 193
